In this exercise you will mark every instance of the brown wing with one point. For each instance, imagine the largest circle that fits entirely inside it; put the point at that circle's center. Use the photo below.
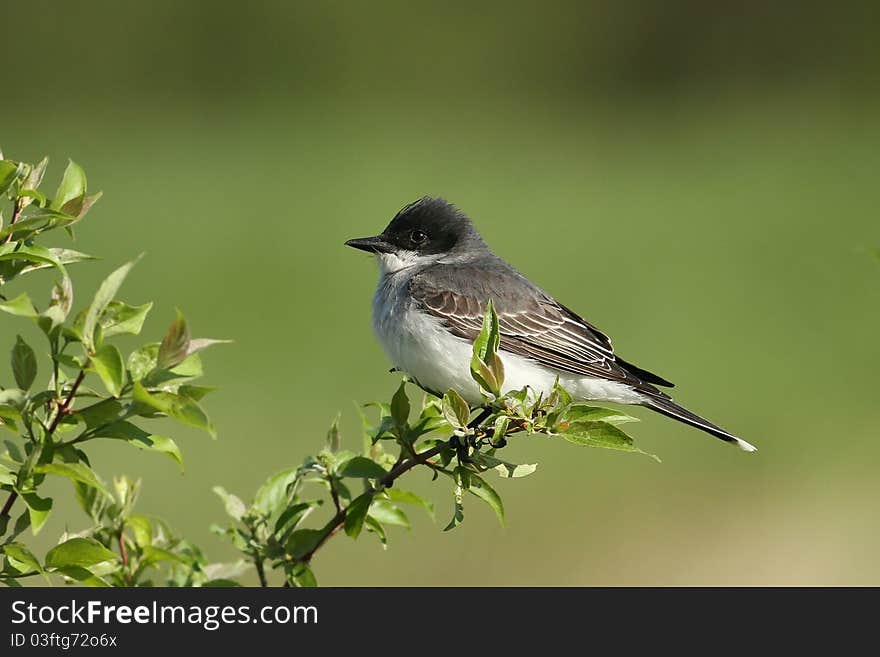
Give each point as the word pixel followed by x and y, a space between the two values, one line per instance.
pixel 531 324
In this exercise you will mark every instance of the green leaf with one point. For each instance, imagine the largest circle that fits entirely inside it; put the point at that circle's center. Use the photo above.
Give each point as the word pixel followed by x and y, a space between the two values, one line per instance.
pixel 75 472
pixel 9 171
pixel 108 364
pixel 458 514
pixel 92 500
pixel 579 412
pixel 374 526
pixel 59 307
pixel 35 176
pixel 73 185
pixel 406 497
pixel 21 558
pixel 78 552
pixel 356 513
pixel 198 344
pixel 499 430
pixel 120 318
pixel 126 492
pixel 598 434
pixel 13 453
pixel 61 256
pixel 430 419
pixel 37 222
pixel 105 294
pixel 153 555
pixel 69 256
pixel 80 206
pixel 142 361
pixel 333 441
pixel 38 510
pixel 387 513
pixel 360 467
pixel 24 364
pixel 142 529
pixel 486 366
pixel 141 439
pixel 20 305
pixel 99 414
pixel 456 410
pixel 182 409
pixel 290 519
pixel 303 541
pixel 35 254
pixel 196 393
pixel 478 487
pixel 400 408
pixel 301 576
pixel 235 508
pixel 488 339
pixel 174 346
pixel 83 576
pixel 272 495
pixel 190 368
pixel 503 468
pixel 69 361
pixel 386 423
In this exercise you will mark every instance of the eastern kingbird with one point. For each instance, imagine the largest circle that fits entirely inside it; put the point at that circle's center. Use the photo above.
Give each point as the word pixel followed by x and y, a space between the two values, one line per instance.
pixel 436 276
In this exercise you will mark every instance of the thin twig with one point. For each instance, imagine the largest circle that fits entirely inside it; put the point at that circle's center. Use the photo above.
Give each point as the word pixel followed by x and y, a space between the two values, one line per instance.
pixel 261 572
pixel 123 552
pixel 16 212
pixel 334 494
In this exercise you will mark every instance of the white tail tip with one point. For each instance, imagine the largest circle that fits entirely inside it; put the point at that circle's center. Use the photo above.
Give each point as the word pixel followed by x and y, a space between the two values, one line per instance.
pixel 744 446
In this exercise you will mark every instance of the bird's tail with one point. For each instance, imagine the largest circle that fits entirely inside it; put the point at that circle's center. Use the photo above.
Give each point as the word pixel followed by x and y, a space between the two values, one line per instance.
pixel 669 408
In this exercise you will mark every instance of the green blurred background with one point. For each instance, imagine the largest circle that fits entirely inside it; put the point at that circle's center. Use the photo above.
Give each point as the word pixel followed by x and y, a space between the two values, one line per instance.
pixel 698 179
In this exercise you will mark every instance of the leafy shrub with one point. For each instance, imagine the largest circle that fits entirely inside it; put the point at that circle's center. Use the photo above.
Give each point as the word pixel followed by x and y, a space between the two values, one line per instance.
pixel 91 392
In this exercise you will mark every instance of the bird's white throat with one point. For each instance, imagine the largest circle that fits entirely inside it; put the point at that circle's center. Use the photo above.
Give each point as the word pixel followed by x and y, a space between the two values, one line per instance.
pixel 391 263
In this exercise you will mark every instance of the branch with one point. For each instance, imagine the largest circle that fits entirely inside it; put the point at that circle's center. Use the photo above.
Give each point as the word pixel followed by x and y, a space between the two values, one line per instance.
pixel 336 522
pixel 401 467
pixel 62 411
pixel 9 502
pixel 65 405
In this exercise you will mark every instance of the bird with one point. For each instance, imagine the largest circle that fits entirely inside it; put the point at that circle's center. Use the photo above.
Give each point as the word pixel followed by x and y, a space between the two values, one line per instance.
pixel 436 278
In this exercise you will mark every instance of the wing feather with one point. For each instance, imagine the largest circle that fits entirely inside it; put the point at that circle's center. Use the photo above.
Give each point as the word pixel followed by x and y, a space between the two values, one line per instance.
pixel 532 324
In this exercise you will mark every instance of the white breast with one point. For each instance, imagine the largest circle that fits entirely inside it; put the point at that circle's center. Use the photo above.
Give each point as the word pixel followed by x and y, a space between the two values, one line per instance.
pixel 419 345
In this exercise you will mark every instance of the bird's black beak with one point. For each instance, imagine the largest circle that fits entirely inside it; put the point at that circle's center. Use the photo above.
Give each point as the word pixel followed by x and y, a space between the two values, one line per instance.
pixel 375 244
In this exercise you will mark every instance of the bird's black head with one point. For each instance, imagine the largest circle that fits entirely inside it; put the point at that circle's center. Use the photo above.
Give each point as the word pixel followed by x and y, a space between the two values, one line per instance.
pixel 429 226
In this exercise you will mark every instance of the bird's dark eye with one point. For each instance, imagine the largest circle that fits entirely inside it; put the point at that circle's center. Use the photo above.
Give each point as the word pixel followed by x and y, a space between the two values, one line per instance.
pixel 418 237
